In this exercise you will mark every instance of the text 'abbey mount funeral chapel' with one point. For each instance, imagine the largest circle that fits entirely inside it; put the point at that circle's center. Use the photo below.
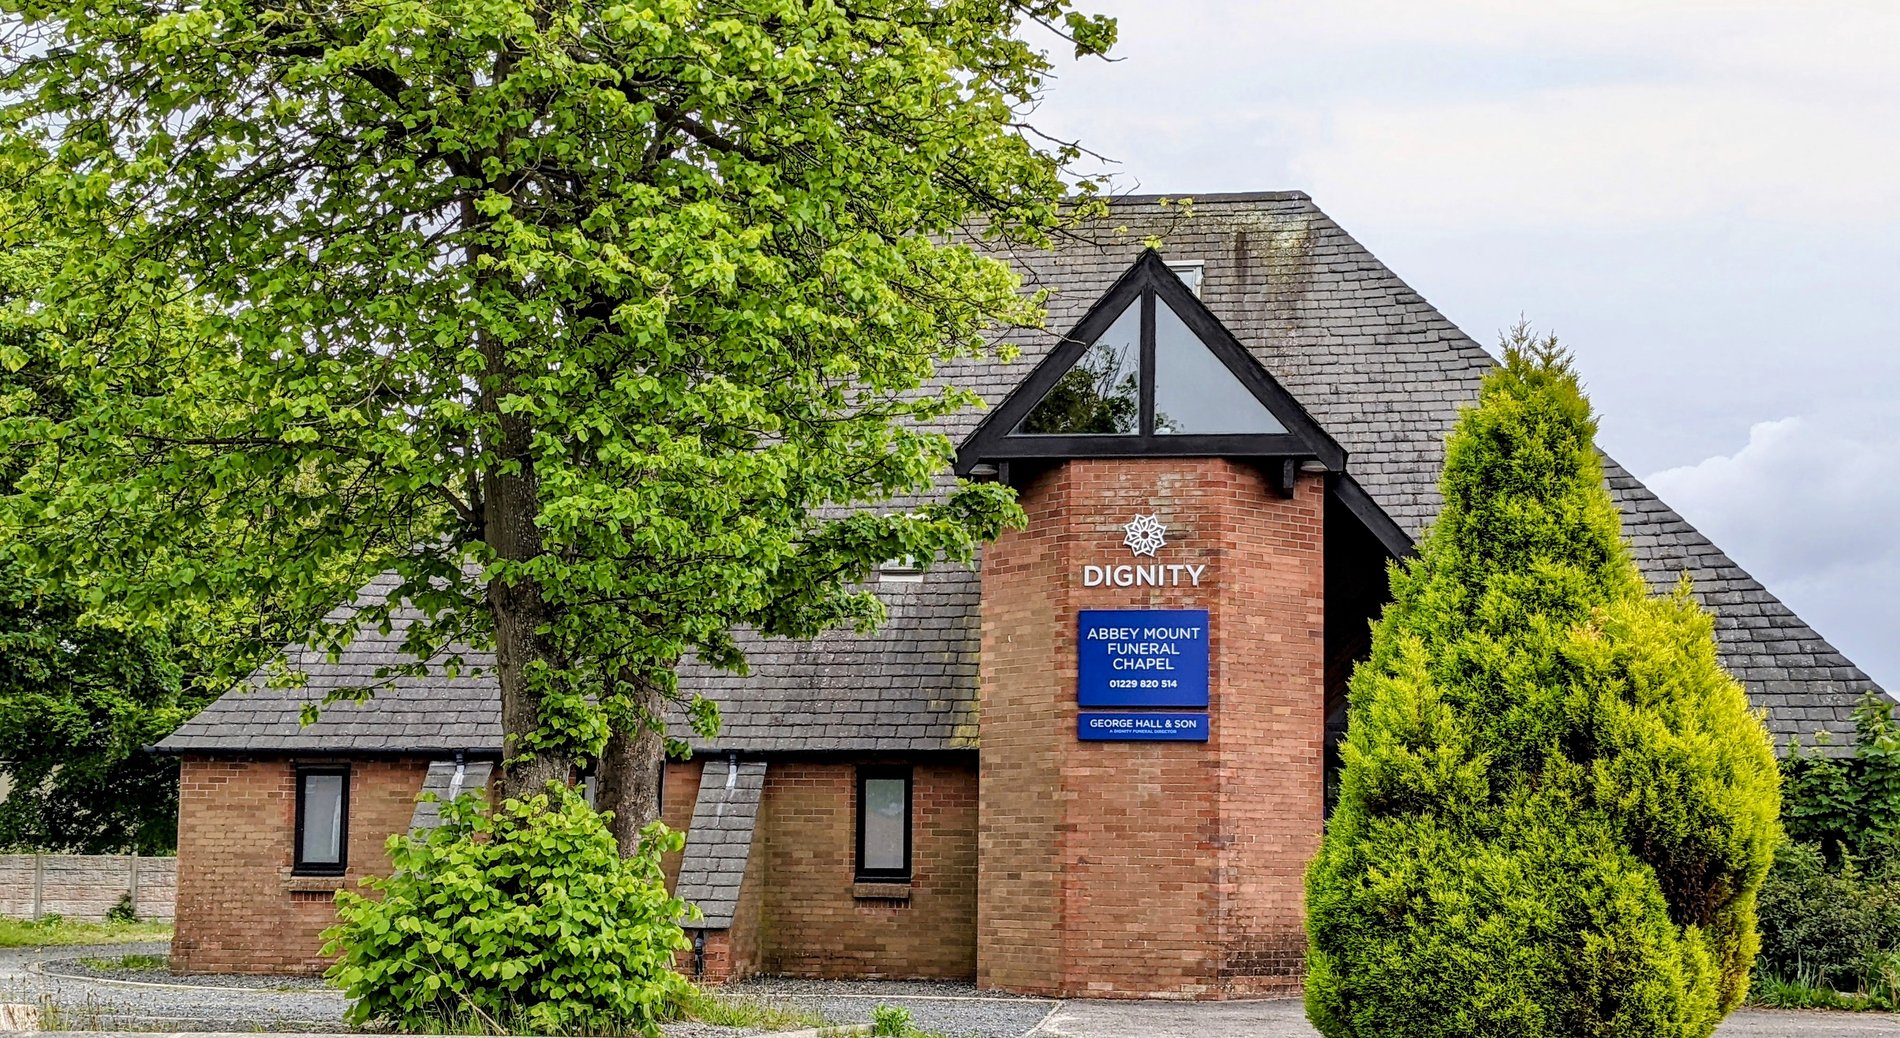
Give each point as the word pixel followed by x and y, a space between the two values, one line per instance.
pixel 1098 762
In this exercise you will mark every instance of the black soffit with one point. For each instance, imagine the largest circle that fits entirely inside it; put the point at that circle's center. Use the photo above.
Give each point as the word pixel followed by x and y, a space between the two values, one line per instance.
pixel 1146 285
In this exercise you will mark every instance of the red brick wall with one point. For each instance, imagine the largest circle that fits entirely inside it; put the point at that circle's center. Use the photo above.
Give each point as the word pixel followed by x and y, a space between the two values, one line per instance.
pixel 747 936
pixel 678 792
pixel 731 954
pixel 810 924
pixel 1120 869
pixel 239 908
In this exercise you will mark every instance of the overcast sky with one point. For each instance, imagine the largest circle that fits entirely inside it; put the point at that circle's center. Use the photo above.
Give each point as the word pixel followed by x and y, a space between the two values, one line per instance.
pixel 1702 199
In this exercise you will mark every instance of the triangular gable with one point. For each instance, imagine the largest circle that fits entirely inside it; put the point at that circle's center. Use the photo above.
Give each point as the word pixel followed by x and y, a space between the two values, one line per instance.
pixel 1149 372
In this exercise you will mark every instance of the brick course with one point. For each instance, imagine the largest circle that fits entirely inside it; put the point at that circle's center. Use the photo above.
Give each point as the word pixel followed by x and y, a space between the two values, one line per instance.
pixel 239 908
pixel 1174 869
pixel 677 790
pixel 811 923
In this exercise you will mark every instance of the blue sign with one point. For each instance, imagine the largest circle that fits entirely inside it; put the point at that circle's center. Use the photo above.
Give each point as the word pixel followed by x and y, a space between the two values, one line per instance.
pixel 1132 726
pixel 1141 657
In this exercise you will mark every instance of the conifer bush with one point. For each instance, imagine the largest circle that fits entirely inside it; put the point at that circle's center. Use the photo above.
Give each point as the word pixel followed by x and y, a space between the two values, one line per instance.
pixel 1556 809
pixel 520 920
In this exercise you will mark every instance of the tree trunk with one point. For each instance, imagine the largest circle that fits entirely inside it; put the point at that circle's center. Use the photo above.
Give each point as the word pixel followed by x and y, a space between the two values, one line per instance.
pixel 510 505
pixel 518 611
pixel 630 774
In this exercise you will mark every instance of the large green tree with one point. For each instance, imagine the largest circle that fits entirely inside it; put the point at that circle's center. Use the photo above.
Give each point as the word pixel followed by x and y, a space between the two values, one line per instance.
pixel 82 695
pixel 79 705
pixel 1556 808
pixel 598 323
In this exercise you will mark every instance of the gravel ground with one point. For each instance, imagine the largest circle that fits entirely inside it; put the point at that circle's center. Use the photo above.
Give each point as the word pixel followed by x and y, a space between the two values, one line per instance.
pixel 147 1001
pixel 91 999
pixel 953 1009
pixel 75 969
pixel 142 1000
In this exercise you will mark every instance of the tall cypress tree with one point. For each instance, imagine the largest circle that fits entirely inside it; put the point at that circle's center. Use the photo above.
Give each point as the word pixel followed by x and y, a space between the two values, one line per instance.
pixel 1556 807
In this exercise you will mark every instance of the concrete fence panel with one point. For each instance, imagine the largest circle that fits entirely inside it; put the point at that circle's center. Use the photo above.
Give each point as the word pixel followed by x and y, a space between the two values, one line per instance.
pixel 86 886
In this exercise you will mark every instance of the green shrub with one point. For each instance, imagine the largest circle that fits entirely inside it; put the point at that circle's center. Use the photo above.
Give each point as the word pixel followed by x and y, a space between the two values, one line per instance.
pixel 1883 978
pixel 525 918
pixel 1555 807
pixel 890 1022
pixel 123 911
pixel 1830 911
pixel 1828 926
pixel 1849 805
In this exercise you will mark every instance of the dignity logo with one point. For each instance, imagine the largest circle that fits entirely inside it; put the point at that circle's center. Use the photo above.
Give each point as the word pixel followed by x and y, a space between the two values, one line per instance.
pixel 1144 535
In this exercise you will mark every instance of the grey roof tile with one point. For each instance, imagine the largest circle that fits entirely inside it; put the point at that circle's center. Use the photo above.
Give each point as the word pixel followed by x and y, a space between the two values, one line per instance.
pixel 441 780
pixel 429 714
pixel 1373 362
pixel 719 842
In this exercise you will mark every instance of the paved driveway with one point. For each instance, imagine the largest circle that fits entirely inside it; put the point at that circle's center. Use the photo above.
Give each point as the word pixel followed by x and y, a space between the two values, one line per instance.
pixel 1284 1018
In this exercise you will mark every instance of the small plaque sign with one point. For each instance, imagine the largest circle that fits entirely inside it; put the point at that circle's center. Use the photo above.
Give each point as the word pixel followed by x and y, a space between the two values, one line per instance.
pixel 1139 726
pixel 1141 657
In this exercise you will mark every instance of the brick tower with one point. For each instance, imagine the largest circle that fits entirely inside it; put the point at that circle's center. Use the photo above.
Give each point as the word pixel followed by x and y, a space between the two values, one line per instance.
pixel 1151 868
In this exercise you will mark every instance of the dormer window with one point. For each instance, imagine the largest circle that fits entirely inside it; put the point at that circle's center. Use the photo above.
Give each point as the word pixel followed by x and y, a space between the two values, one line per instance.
pixel 1194 391
pixel 1149 374
pixel 908 569
pixel 1189 271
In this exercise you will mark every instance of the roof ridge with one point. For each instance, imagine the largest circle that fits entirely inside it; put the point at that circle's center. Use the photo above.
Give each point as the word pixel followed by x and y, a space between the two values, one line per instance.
pixel 1154 197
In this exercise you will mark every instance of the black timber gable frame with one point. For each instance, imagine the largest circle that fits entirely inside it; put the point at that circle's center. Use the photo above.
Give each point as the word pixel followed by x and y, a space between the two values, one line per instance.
pixel 996 439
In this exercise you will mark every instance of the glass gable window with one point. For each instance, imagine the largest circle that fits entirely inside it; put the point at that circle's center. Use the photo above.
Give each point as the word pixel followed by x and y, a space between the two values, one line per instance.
pixel 1194 390
pixel 323 826
pixel 1101 393
pixel 1149 374
pixel 884 824
pixel 1149 371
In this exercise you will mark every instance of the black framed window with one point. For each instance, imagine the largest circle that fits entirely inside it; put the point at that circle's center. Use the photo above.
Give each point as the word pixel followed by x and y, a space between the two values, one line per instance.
pixel 323 821
pixel 1100 395
pixel 1148 371
pixel 1194 390
pixel 1149 374
pixel 884 824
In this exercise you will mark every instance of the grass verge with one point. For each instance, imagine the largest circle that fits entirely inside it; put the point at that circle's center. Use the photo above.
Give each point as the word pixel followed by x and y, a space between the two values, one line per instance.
pixel 702 1007
pixel 1778 993
pixel 738 1011
pixel 53 931
pixel 135 962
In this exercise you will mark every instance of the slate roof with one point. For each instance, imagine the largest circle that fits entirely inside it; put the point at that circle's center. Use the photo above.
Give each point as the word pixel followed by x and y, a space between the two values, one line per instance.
pixel 720 839
pixel 1380 368
pixel 440 780
pixel 911 685
pixel 426 716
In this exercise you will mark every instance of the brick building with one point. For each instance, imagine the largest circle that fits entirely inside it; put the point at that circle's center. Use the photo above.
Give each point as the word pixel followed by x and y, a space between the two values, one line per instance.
pixel 1096 767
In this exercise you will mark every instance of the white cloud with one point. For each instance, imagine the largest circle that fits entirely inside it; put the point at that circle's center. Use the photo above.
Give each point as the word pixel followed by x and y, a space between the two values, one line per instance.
pixel 1607 157
pixel 1582 114
pixel 1698 195
pixel 1808 506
